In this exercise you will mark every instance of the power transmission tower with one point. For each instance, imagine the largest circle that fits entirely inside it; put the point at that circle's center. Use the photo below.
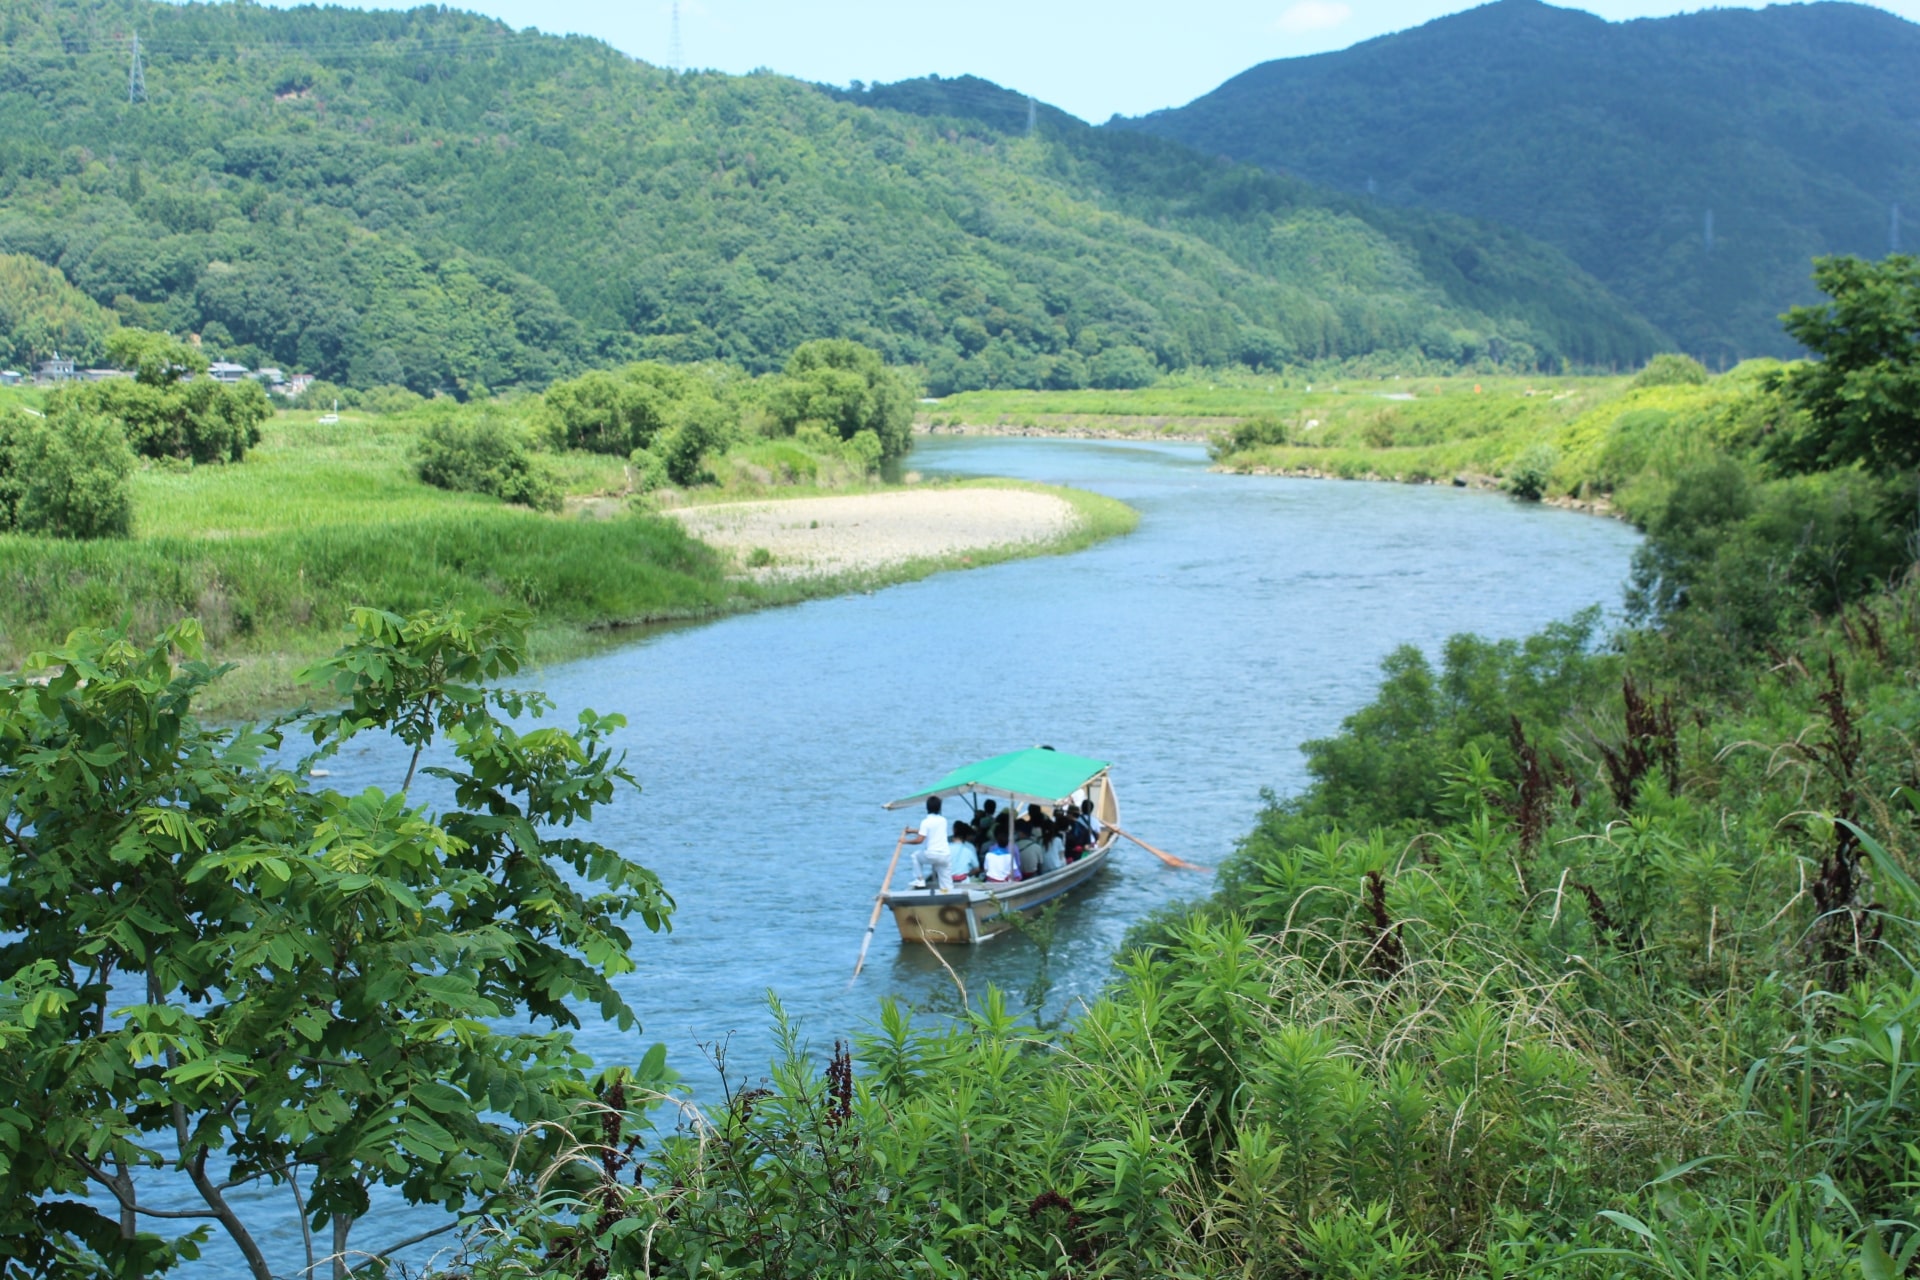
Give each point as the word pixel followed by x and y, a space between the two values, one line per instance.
pixel 136 75
pixel 673 43
pixel 1033 114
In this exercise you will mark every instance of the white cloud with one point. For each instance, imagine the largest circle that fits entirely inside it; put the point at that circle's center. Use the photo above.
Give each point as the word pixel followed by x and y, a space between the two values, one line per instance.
pixel 1312 15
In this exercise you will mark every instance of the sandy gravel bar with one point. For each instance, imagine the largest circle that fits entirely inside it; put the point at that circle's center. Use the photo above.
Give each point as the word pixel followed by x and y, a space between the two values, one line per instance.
pixel 832 536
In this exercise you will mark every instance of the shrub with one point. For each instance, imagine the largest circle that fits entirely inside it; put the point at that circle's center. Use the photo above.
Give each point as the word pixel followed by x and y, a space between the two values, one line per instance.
pixel 390 400
pixel 201 421
pixel 633 408
pixel 864 451
pixel 648 472
pixel 69 476
pixel 683 449
pixel 846 388
pixel 1531 472
pixel 1123 368
pixel 485 455
pixel 1671 369
pixel 323 396
pixel 1255 433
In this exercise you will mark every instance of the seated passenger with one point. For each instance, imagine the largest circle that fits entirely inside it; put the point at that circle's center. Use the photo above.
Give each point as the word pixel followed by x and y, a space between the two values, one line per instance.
pixel 983 823
pixel 1001 865
pixel 1079 835
pixel 965 857
pixel 1030 845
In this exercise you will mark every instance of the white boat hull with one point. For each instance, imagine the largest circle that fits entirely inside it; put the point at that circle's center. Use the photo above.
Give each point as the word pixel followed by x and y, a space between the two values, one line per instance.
pixel 976 911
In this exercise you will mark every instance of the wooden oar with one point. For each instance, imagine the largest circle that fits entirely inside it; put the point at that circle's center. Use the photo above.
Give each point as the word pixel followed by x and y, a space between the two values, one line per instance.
pixel 879 901
pixel 1161 854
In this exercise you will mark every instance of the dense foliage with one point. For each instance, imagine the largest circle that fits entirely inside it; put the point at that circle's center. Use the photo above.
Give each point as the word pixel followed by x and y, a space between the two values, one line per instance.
pixel 42 316
pixel 1692 163
pixel 217 974
pixel 375 197
pixel 66 477
pixel 1862 395
pixel 843 389
pixel 484 453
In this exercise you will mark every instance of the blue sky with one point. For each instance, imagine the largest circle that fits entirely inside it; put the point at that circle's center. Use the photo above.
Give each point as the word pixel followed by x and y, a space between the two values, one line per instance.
pixel 1093 59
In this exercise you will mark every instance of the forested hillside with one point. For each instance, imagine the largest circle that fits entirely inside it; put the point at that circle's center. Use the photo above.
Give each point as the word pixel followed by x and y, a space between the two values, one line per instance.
pixel 432 199
pixel 1694 163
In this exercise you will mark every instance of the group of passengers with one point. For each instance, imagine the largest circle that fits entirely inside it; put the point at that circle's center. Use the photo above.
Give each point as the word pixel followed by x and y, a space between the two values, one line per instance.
pixel 1000 846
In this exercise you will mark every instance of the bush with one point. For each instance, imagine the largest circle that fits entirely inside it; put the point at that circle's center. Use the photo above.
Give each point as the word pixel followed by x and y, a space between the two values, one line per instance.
pixel 1255 433
pixel 69 476
pixel 1531 472
pixel 1123 368
pixel 200 421
pixel 847 389
pixel 322 396
pixel 618 412
pixel 864 451
pixel 390 400
pixel 485 455
pixel 683 449
pixel 648 472
pixel 1671 369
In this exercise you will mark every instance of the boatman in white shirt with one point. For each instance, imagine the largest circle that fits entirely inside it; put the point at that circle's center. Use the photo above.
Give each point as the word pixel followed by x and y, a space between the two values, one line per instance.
pixel 937 860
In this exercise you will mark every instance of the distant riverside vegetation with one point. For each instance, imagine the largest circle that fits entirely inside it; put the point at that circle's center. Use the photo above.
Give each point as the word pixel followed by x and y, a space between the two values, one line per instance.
pixel 1694 164
pixel 434 201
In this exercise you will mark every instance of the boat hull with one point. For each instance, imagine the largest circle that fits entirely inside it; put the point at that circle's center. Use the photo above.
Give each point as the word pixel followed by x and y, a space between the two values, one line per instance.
pixel 977 912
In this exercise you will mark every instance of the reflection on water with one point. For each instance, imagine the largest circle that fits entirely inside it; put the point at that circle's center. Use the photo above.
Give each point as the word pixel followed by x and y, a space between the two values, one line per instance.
pixel 1243 617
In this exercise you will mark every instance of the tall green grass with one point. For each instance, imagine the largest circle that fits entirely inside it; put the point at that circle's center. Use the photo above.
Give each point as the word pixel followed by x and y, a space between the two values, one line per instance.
pixel 271 553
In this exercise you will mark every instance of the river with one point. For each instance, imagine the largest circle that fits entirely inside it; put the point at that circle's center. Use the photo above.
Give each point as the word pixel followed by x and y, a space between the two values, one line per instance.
pixel 1246 615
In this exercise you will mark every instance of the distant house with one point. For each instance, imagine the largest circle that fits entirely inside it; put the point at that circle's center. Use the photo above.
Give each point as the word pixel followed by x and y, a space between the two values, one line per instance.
pixel 100 375
pixel 58 369
pixel 270 376
pixel 9 377
pixel 222 371
pixel 297 384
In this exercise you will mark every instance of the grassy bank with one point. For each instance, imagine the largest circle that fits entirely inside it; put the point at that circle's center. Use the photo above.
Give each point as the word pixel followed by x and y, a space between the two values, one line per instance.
pixel 1342 414
pixel 272 552
pixel 1601 442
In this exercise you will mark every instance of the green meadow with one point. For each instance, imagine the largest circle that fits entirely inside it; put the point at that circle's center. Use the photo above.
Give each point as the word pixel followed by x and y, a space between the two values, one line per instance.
pixel 271 553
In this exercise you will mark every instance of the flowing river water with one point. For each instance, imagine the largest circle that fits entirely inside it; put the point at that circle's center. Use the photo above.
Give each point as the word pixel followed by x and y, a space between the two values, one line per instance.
pixel 1244 616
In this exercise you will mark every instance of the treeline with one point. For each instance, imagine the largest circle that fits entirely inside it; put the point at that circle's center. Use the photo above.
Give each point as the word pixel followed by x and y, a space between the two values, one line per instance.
pixel 835 405
pixel 834 400
pixel 431 200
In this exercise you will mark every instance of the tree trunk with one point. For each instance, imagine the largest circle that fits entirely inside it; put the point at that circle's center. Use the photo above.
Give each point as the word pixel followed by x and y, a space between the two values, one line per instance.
pixel 342 1224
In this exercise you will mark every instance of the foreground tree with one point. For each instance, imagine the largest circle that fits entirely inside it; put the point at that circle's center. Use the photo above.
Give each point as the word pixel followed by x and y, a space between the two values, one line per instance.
pixel 217 975
pixel 1862 396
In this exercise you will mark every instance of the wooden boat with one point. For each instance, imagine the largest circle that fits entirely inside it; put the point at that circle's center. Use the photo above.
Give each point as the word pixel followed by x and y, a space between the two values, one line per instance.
pixel 976 910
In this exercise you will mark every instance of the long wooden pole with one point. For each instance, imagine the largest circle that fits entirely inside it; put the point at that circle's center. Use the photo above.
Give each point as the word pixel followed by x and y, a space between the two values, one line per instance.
pixel 879 901
pixel 1161 854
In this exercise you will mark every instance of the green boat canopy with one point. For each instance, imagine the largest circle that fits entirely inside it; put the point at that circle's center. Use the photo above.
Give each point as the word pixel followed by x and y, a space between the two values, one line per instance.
pixel 1038 775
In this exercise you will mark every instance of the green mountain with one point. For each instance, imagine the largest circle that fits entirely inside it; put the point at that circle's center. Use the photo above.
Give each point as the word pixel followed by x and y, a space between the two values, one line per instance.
pixel 1694 164
pixel 431 198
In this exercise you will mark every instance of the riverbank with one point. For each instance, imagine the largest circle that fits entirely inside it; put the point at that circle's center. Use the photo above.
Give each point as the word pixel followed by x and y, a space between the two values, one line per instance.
pixel 270 554
pixel 1598 505
pixel 879 533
